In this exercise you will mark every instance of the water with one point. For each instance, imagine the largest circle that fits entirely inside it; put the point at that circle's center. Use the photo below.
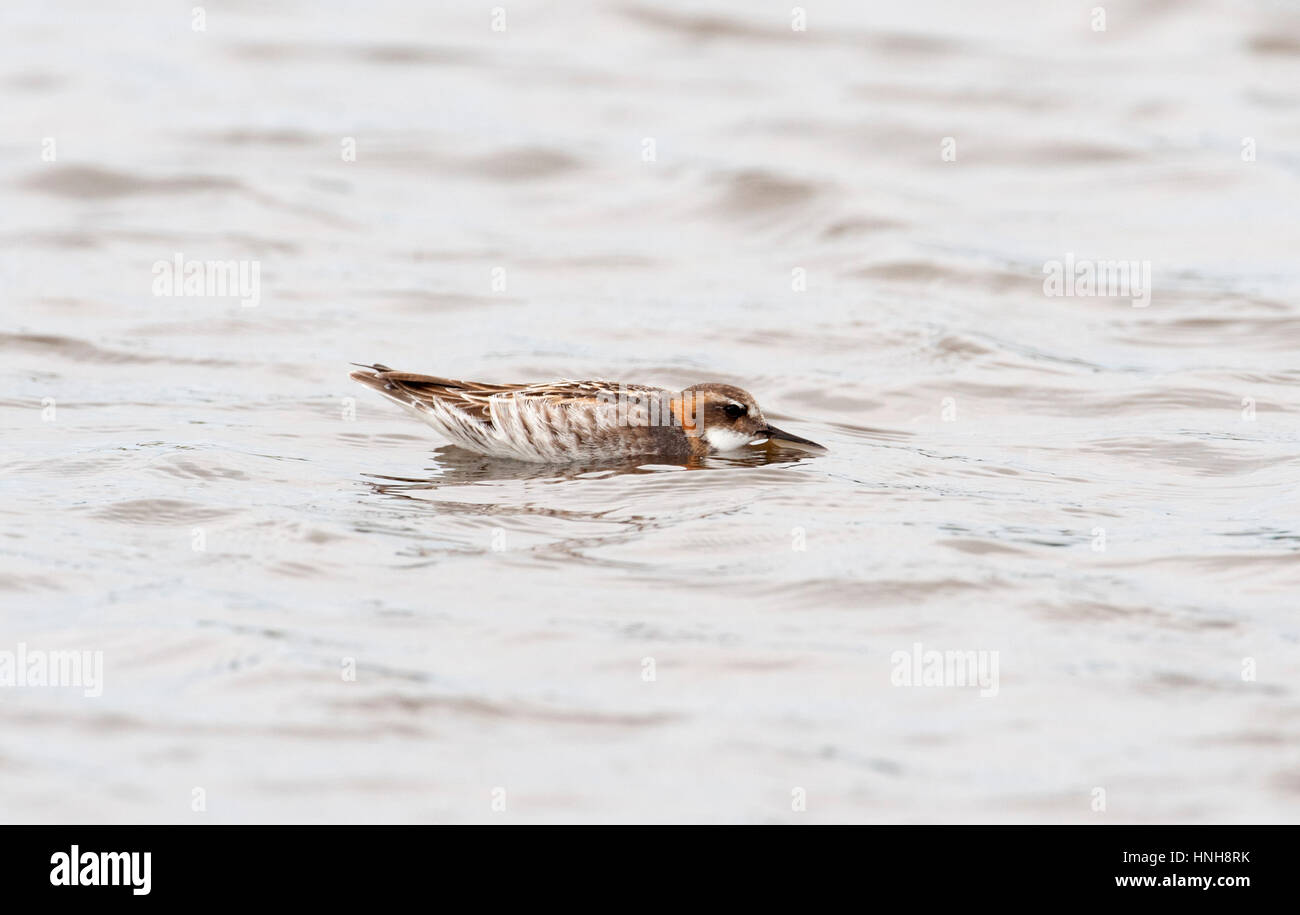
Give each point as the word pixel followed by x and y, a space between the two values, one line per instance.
pixel 1104 495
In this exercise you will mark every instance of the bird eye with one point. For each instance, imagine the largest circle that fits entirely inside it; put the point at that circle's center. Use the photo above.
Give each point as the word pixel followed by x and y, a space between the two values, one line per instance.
pixel 735 410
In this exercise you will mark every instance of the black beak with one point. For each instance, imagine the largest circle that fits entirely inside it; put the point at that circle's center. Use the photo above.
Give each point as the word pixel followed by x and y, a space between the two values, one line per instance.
pixel 773 434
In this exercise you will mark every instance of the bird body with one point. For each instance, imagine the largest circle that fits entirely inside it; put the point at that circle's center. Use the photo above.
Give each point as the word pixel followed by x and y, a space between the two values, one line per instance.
pixel 568 421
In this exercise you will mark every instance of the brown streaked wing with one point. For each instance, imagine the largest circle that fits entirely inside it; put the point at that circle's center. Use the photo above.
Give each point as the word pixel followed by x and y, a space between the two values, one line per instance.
pixel 474 398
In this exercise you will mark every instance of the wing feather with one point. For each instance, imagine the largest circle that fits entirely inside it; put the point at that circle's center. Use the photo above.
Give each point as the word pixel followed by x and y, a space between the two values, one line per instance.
pixel 532 422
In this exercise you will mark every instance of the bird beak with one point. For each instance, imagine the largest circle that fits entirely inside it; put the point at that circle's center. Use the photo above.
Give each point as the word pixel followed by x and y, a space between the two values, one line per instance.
pixel 773 434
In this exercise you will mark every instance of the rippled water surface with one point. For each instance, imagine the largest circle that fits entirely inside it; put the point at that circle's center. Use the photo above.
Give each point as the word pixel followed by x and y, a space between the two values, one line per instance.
pixel 1105 495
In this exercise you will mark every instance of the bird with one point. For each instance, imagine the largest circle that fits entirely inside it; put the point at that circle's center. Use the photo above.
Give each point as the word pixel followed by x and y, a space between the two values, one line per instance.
pixel 568 421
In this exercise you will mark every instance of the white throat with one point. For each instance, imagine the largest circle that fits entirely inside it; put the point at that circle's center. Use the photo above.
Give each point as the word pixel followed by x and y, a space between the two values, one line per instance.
pixel 723 439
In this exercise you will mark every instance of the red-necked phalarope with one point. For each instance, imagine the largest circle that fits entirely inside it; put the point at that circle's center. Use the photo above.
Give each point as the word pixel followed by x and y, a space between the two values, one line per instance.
pixel 581 420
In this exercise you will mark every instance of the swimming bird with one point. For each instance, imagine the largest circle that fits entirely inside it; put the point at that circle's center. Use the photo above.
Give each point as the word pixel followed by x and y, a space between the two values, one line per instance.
pixel 581 420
